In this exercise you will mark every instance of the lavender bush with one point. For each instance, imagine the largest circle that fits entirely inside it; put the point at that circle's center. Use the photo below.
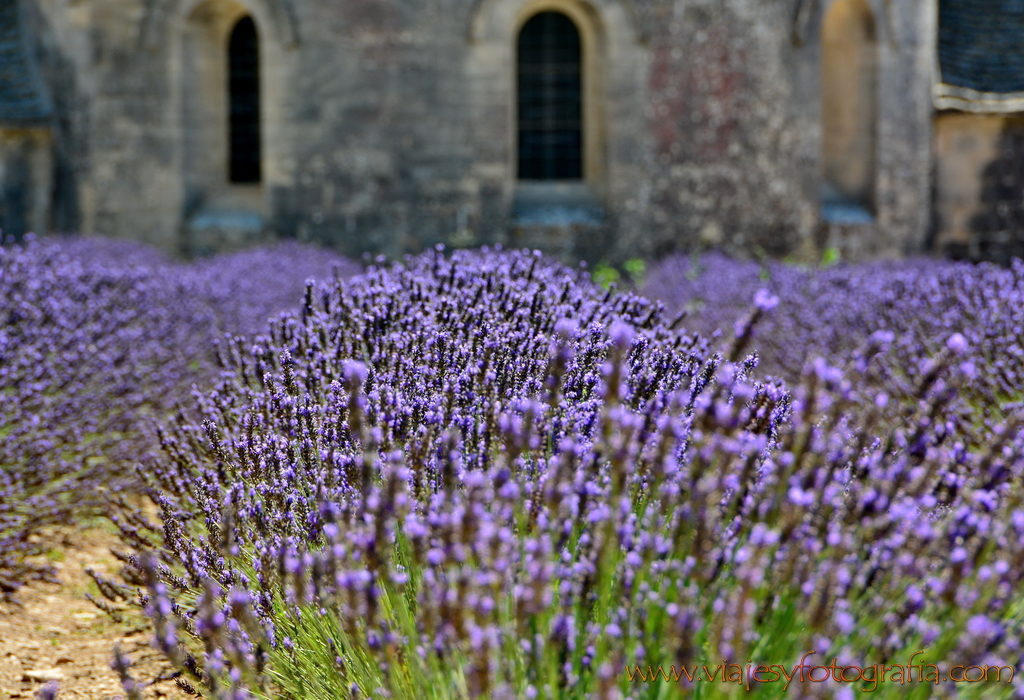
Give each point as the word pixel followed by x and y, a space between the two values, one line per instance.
pixel 243 290
pixel 832 312
pixel 97 339
pixel 481 476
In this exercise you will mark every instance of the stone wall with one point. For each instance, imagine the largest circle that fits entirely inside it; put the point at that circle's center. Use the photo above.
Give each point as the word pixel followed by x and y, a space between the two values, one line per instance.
pixel 389 125
pixel 26 166
pixel 979 204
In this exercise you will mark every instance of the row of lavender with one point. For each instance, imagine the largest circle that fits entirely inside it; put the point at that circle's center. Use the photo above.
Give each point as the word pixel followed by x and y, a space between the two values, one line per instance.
pixel 831 312
pixel 479 475
pixel 99 338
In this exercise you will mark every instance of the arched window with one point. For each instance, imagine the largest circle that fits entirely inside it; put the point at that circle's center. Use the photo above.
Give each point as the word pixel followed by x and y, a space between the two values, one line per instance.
pixel 849 104
pixel 244 103
pixel 550 99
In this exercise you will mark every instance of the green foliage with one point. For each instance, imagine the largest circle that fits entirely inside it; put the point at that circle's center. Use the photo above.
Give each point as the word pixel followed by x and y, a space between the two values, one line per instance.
pixel 633 271
pixel 605 275
pixel 329 656
pixel 636 268
pixel 311 669
pixel 830 257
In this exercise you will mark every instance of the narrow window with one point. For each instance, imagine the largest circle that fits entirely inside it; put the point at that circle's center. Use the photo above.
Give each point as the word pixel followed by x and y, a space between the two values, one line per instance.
pixel 849 104
pixel 550 99
pixel 244 103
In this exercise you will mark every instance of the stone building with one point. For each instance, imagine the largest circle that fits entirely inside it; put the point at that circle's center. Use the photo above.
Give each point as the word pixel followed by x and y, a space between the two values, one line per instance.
pixel 979 129
pixel 602 129
pixel 26 137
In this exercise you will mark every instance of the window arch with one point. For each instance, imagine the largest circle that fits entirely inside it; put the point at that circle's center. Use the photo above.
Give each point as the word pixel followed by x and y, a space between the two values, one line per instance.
pixel 244 152
pixel 549 78
pixel 849 104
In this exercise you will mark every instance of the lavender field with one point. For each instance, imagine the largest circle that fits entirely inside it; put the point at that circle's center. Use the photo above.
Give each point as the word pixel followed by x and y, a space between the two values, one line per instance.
pixel 478 474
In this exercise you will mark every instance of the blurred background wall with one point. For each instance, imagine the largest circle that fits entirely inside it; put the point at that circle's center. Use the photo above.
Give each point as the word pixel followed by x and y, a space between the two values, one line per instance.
pixel 598 129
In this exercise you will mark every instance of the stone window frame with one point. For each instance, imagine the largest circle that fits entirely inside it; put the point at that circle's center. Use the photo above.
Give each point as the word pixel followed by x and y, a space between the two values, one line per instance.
pixel 560 102
pixel 592 55
pixel 277 16
pixel 609 36
pixel 841 210
pixel 204 106
pixel 168 23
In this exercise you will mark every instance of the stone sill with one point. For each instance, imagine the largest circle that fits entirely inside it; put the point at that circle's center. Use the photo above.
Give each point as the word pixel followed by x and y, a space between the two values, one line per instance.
pixel 846 214
pixel 556 203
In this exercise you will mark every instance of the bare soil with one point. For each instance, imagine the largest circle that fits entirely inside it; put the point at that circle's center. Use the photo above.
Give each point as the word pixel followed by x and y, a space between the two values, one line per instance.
pixel 53 630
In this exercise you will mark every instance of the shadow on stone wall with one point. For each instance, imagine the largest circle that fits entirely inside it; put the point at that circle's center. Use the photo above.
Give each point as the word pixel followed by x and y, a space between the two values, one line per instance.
pixel 69 127
pixel 998 226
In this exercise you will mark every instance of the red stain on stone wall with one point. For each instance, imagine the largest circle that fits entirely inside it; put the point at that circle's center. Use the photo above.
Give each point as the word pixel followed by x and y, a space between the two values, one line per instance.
pixel 698 81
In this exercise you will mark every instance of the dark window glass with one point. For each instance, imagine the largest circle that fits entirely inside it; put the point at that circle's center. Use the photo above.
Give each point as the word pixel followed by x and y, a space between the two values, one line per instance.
pixel 244 102
pixel 550 78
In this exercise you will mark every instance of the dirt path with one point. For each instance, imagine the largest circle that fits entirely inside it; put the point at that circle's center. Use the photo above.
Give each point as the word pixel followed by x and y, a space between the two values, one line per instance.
pixel 53 631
